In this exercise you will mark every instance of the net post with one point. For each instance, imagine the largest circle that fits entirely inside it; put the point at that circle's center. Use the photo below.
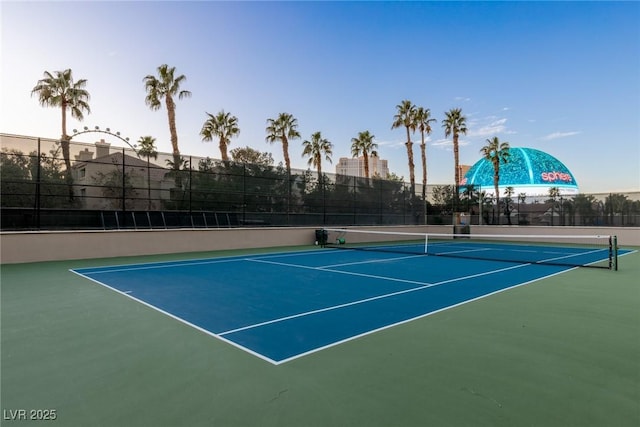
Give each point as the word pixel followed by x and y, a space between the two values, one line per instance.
pixel 614 251
pixel 426 243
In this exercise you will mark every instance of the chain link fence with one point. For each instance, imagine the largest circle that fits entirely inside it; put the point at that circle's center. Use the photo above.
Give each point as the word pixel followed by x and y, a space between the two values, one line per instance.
pixel 116 188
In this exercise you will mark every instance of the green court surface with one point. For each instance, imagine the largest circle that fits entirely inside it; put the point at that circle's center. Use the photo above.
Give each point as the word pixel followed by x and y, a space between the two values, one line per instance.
pixel 562 351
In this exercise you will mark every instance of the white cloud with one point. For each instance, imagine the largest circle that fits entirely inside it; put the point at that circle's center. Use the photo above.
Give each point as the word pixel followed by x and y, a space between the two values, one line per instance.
pixel 497 126
pixel 557 135
pixel 447 144
pixel 442 142
pixel 390 144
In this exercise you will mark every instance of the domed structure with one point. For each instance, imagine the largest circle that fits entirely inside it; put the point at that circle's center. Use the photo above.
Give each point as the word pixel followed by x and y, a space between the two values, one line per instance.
pixel 529 171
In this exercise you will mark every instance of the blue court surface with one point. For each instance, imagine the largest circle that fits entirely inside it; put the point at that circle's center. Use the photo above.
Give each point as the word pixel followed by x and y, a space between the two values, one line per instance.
pixel 282 306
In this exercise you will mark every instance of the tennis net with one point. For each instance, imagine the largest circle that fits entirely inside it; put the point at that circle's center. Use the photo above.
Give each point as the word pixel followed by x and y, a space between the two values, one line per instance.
pixel 567 250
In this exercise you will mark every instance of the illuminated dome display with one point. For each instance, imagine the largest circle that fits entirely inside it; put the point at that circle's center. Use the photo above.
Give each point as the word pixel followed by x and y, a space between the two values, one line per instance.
pixel 528 171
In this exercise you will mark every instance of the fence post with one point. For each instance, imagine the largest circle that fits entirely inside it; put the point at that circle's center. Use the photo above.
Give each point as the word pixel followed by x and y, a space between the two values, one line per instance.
pixel 190 180
pixel 355 201
pixel 244 193
pixel 288 197
pixel 124 189
pixel 148 184
pixel 324 200
pixel 38 183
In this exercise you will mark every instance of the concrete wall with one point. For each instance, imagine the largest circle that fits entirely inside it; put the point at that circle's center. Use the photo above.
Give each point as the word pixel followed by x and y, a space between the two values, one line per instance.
pixel 20 247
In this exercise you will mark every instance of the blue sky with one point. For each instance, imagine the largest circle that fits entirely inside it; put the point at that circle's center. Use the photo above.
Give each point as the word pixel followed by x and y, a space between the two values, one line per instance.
pixel 562 77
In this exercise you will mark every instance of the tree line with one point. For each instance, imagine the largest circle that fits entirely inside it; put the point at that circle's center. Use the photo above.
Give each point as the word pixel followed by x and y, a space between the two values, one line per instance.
pixel 59 89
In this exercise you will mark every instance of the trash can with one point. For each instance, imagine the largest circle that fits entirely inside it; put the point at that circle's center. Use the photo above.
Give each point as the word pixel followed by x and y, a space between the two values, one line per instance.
pixel 321 237
pixel 461 231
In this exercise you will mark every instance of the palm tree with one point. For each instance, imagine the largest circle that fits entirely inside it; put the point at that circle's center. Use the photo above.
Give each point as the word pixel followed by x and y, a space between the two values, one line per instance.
pixel 496 152
pixel 315 149
pixel 224 126
pixel 148 147
pixel 283 128
pixel 165 87
pixel 584 208
pixel 508 192
pixel 406 117
pixel 60 90
pixel 455 124
pixel 364 145
pixel 423 123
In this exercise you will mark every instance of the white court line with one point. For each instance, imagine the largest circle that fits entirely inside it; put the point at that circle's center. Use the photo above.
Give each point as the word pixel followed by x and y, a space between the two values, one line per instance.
pixel 350 273
pixel 423 285
pixel 463 251
pixel 186 263
pixel 152 267
pixel 365 300
pixel 370 261
pixel 179 319
pixel 265 358
pixel 402 322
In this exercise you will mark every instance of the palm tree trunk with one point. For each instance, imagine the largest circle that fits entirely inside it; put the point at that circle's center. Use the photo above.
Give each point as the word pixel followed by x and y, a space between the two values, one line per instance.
pixel 365 157
pixel 456 161
pixel 412 175
pixel 496 179
pixel 66 152
pixel 423 150
pixel 412 168
pixel 223 150
pixel 65 143
pixel 171 113
pixel 285 152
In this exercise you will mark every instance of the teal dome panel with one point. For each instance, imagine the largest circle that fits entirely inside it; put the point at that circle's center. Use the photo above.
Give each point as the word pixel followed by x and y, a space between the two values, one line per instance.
pixel 526 168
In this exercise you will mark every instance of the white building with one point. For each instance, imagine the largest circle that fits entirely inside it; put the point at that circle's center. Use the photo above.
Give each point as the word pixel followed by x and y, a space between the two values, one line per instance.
pixel 355 166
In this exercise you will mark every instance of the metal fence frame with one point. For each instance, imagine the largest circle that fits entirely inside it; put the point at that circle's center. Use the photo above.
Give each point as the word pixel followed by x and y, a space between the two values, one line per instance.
pixel 119 189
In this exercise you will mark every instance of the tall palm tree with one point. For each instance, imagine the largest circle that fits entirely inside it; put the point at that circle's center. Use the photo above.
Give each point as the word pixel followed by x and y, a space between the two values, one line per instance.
pixel 455 124
pixel 224 126
pixel 315 148
pixel 283 129
pixel 423 123
pixel 165 87
pixel 496 152
pixel 364 145
pixel 61 90
pixel 406 117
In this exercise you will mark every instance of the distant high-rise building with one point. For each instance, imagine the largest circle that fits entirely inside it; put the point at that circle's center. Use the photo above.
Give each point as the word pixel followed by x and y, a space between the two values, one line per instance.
pixel 355 166
pixel 463 169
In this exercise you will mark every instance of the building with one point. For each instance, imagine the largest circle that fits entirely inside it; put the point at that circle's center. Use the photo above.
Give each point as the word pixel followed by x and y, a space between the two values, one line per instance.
pixel 355 167
pixel 528 171
pixel 98 181
pixel 462 171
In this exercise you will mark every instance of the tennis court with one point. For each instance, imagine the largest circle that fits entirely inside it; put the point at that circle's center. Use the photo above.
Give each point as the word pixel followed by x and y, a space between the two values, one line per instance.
pixel 282 306
pixel 326 336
